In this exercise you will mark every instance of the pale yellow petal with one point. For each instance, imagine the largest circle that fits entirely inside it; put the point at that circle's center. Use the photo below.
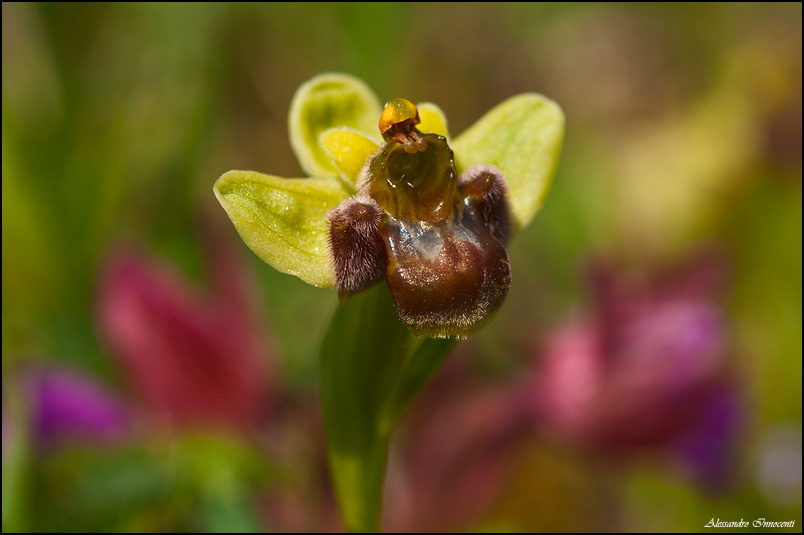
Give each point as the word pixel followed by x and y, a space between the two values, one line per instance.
pixel 349 150
pixel 432 119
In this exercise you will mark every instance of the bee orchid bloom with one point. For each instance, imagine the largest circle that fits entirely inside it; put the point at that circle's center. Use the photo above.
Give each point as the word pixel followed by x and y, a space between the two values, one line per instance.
pixel 392 197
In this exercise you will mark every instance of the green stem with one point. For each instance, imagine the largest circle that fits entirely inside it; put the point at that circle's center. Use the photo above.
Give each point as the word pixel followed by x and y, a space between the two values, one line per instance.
pixel 371 369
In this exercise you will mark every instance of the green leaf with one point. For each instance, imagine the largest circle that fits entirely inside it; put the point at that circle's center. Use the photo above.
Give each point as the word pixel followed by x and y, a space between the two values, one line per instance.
pixel 326 101
pixel 232 514
pixel 418 368
pixel 221 473
pixel 92 489
pixel 283 220
pixel 16 465
pixel 371 368
pixel 522 137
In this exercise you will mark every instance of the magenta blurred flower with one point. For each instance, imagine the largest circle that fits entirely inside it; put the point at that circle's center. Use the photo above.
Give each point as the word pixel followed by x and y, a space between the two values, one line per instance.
pixel 462 437
pixel 644 369
pixel 70 406
pixel 192 360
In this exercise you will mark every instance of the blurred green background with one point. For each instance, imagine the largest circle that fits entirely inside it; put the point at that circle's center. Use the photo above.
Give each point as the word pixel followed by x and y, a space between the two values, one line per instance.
pixel 683 128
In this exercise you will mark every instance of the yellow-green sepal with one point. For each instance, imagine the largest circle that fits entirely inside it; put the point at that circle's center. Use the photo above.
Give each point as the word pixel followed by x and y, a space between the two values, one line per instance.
pixel 327 101
pixel 522 136
pixel 283 220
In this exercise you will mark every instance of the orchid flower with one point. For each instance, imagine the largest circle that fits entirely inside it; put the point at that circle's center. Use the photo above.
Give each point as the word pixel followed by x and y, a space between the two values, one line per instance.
pixel 392 197
pixel 318 228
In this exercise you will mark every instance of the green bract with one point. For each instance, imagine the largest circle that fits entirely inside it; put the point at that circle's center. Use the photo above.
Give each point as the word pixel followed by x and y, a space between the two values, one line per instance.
pixel 333 131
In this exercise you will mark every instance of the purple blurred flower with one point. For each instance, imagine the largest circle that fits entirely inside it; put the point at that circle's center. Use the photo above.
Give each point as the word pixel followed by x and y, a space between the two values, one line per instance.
pixel 644 369
pixel 192 360
pixel 67 406
pixel 705 448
